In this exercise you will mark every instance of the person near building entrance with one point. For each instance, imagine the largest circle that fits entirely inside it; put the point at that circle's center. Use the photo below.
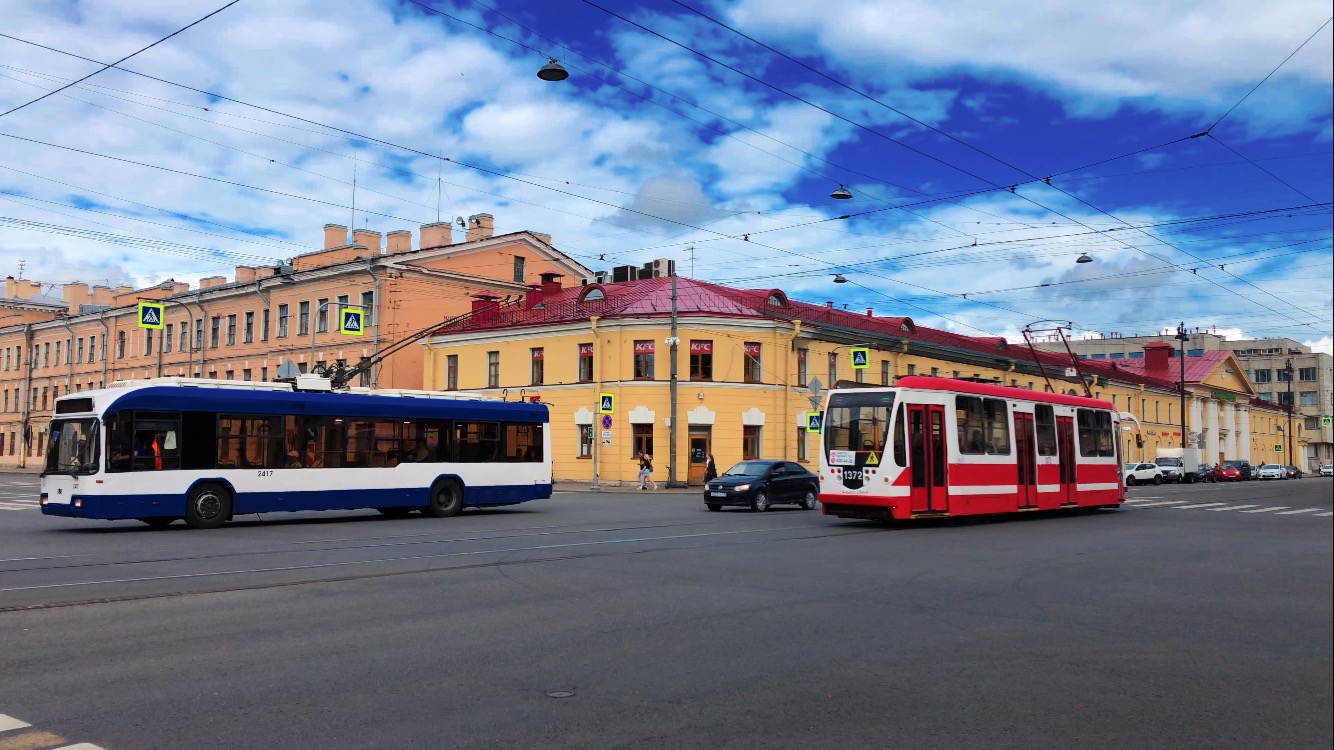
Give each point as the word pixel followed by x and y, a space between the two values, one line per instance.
pixel 645 470
pixel 710 469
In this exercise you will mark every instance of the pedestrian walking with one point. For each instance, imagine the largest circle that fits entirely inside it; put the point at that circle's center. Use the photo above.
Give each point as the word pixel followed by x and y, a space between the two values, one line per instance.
pixel 645 472
pixel 710 469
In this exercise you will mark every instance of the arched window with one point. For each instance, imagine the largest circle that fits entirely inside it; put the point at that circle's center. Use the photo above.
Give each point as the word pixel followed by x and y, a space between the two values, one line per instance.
pixel 593 293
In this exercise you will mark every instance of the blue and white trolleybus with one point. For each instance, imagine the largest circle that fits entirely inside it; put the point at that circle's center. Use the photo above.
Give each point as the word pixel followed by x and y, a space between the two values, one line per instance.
pixel 164 449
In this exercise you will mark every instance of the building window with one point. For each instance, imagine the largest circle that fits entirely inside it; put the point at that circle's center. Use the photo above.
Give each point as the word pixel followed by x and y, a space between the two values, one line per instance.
pixel 884 372
pixel 368 307
pixel 833 368
pixel 701 360
pixel 215 328
pixel 643 360
pixel 1311 423
pixel 753 367
pixel 322 315
pixel 538 372
pixel 79 357
pixel 44 393
pixel 518 269
pixel 185 336
pixel 452 372
pixel 199 333
pixel 750 442
pixel 264 374
pixel 148 342
pixel 245 374
pixel 802 354
pixel 1266 396
pixel 364 377
pixel 585 363
pixel 1310 398
pixel 1306 374
pixel 859 375
pixel 303 318
pixel 168 339
pixel 493 369
pixel 801 445
pixel 248 333
pixel 585 440
pixel 231 330
pixel 58 350
pixel 92 347
pixel 264 324
pixel 642 441
pixel 1264 376
pixel 1284 398
pixel 282 321
pixel 120 345
pixel 342 302
pixel 229 375
pixel 912 369
pixel 1283 375
pixel 46 354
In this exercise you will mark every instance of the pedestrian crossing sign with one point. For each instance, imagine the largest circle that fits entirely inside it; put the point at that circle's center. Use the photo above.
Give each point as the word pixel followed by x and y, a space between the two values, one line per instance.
pixel 861 357
pixel 606 403
pixel 150 315
pixel 1278 447
pixel 1326 421
pixel 350 322
pixel 814 421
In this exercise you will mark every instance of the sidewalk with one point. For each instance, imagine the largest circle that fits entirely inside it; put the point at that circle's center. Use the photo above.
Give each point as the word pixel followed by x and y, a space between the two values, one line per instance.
pixel 565 485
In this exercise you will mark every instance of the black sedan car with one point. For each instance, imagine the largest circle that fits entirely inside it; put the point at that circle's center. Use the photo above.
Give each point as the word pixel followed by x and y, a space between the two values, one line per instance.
pixel 761 484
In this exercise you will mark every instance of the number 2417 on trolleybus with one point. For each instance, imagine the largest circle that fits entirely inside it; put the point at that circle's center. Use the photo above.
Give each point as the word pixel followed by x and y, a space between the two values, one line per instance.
pixel 933 447
pixel 205 450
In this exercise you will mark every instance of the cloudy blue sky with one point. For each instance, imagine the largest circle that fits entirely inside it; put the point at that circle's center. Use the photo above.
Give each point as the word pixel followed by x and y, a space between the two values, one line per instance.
pixel 987 145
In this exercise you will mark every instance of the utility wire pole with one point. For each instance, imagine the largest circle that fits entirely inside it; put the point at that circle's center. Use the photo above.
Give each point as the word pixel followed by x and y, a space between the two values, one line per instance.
pixel 673 344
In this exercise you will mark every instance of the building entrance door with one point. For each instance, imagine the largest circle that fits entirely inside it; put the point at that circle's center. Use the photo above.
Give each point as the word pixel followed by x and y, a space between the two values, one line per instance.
pixel 701 442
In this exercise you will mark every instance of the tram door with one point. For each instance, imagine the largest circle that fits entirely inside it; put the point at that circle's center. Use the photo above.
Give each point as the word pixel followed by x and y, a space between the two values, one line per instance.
pixel 1065 447
pixel 1026 443
pixel 927 458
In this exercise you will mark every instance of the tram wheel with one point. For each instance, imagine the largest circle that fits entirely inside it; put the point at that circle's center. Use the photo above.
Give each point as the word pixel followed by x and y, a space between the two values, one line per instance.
pixel 208 507
pixel 446 500
pixel 760 503
pixel 808 500
pixel 158 522
pixel 713 506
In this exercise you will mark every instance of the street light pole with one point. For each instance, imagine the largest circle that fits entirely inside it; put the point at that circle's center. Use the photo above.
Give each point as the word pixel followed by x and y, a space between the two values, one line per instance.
pixel 1287 368
pixel 673 343
pixel 1183 337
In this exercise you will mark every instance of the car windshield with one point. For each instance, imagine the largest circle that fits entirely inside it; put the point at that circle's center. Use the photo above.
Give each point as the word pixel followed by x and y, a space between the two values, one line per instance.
pixel 1271 466
pixel 747 469
pixel 1169 462
pixel 72 448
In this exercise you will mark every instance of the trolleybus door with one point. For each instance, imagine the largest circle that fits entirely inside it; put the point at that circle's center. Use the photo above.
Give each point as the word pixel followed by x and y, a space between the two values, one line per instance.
pixel 1026 443
pixel 1065 447
pixel 927 458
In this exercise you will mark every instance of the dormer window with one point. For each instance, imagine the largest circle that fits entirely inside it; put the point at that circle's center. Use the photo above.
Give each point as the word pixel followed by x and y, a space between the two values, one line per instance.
pixel 777 298
pixel 592 294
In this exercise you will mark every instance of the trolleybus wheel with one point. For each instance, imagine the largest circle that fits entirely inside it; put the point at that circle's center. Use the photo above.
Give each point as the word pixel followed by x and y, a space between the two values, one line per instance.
pixel 808 501
pixel 760 503
pixel 446 500
pixel 396 511
pixel 713 506
pixel 208 507
pixel 158 522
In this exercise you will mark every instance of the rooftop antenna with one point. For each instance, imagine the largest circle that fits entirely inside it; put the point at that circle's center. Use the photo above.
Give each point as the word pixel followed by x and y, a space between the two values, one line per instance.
pixel 22 264
pixel 691 250
pixel 352 225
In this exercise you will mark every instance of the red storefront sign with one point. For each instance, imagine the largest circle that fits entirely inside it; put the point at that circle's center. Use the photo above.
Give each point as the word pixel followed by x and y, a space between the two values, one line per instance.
pixel 585 350
pixel 538 355
pixel 752 350
pixel 701 347
pixel 644 347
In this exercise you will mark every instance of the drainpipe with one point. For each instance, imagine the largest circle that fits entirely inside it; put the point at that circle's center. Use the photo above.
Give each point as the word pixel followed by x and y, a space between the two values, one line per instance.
pixel 375 335
pixel 260 293
pixel 106 341
pixel 788 377
pixel 597 388
pixel 672 431
pixel 199 300
pixel 69 357
pixel 27 395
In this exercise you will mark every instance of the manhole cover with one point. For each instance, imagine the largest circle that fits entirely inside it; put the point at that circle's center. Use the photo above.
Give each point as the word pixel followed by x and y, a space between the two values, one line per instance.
pixel 561 694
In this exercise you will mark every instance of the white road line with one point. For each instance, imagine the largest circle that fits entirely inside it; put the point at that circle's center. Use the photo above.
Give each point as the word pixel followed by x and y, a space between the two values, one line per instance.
pixel 1295 512
pixel 1199 505
pixel 9 722
pixel 1232 507
pixel 1155 497
pixel 1265 510
pixel 1331 513
pixel 1165 502
pixel 14 506
pixel 81 746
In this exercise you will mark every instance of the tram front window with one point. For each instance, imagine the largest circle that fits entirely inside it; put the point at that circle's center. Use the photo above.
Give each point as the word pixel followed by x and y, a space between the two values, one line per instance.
pixel 73 447
pixel 857 421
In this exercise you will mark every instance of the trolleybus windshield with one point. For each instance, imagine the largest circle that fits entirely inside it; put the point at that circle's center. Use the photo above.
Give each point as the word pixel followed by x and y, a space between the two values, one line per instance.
pixel 73 447
pixel 858 421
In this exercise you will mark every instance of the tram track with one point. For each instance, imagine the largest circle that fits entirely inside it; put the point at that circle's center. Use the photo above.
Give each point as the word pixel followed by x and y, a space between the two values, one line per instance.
pixel 256 586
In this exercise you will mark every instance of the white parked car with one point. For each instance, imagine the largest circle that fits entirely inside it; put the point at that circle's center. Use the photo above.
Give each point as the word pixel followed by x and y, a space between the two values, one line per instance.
pixel 1273 471
pixel 1142 473
pixel 1327 470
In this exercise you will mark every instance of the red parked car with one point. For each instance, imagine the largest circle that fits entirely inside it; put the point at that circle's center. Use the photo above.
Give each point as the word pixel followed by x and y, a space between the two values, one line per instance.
pixel 1225 473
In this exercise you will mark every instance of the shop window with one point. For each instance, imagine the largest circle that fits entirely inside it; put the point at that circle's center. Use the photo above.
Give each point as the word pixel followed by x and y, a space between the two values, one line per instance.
pixel 642 440
pixel 750 442
pixel 585 441
pixel 701 360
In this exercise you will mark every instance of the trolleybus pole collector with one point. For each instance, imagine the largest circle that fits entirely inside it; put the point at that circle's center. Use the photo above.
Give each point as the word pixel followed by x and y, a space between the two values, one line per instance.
pixel 204 451
pixel 934 447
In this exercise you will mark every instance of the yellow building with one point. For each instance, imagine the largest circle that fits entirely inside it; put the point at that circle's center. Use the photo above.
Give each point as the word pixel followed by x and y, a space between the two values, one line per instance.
pixel 744 358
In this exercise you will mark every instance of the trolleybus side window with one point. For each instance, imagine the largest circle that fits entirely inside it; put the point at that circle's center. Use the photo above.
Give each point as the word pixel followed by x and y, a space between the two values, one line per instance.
pixel 143 441
pixel 371 443
pixel 1096 437
pixel 1044 418
pixel 900 439
pixel 250 442
pixel 478 442
pixel 427 441
pixel 523 442
pixel 983 425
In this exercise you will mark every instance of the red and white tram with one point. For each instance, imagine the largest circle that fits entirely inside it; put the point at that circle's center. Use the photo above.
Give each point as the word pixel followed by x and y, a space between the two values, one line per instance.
pixel 933 447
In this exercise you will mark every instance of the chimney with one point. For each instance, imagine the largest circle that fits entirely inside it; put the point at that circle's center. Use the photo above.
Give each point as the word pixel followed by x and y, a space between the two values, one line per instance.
pixel 122 289
pixel 868 313
pixel 335 235
pixel 829 305
pixel 550 283
pixel 533 297
pixel 102 295
pixel 546 238
pixel 367 239
pixel 1156 355
pixel 398 241
pixel 480 227
pixel 244 274
pixel 75 294
pixel 484 306
pixel 208 282
pixel 440 234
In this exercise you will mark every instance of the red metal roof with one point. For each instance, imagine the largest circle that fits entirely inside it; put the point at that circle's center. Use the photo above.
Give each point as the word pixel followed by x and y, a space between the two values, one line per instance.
pixel 1001 391
pixel 1197 368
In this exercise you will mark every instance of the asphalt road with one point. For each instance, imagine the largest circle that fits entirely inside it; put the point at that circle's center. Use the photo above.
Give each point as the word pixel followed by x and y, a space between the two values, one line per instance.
pixel 1197 616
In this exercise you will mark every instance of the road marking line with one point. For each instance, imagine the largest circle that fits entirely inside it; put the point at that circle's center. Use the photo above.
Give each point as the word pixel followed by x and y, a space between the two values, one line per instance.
pixel 1199 505
pixel 1165 502
pixel 1265 510
pixel 81 746
pixel 1295 512
pixel 16 506
pixel 9 722
pixel 31 741
pixel 1232 507
pixel 1331 513
pixel 1138 499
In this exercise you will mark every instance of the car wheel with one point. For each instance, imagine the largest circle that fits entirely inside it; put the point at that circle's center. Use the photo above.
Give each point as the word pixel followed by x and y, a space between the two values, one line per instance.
pixel 809 500
pixel 715 507
pixel 760 503
pixel 1158 480
pixel 1130 481
pixel 208 506
pixel 446 500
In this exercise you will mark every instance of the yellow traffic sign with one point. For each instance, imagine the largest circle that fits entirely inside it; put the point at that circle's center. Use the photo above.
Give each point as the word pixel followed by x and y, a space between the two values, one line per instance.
pixel 872 460
pixel 814 421
pixel 351 322
pixel 606 403
pixel 150 315
pixel 861 357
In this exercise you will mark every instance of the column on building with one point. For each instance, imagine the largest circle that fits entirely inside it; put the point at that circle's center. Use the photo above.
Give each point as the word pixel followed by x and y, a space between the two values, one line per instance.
pixel 1228 423
pixel 1244 428
pixel 1211 445
pixel 1197 421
